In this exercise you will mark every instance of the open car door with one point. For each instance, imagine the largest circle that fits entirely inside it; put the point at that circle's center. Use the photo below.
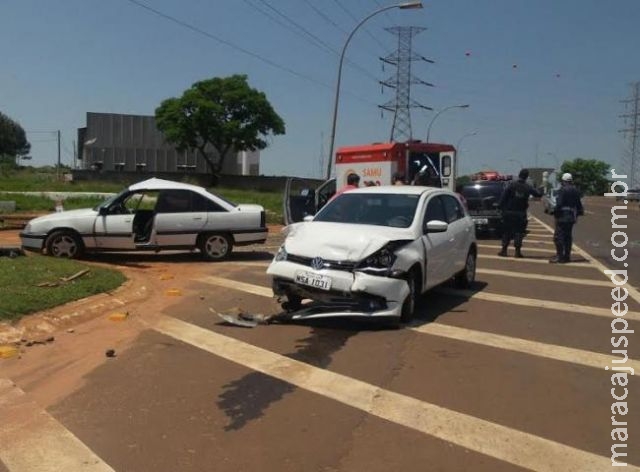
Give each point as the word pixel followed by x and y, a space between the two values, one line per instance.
pixel 302 199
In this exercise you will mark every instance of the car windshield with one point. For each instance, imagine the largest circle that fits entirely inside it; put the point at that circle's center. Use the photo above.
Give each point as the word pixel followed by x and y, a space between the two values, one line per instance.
pixel 379 209
pixel 110 200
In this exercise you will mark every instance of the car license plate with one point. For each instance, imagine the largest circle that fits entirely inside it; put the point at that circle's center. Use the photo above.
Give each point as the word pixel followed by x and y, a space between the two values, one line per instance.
pixel 313 280
pixel 481 221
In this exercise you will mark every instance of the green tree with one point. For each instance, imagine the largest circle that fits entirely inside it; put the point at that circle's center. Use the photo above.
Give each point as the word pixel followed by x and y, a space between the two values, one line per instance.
pixel 223 114
pixel 589 175
pixel 463 180
pixel 13 140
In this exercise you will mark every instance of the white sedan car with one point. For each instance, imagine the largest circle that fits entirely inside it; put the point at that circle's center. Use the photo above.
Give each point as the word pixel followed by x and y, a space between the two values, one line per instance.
pixel 373 251
pixel 152 215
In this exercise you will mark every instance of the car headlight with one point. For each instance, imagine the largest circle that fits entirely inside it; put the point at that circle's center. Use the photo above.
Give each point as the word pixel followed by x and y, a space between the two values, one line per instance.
pixel 27 229
pixel 381 261
pixel 281 255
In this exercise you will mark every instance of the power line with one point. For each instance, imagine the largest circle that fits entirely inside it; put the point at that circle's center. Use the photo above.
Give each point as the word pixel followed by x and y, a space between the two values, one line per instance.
pixel 225 42
pixel 306 34
pixel 324 16
pixel 247 52
pixel 353 17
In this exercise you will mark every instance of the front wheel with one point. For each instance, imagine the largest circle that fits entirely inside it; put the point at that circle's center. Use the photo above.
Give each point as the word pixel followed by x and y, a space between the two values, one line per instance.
pixel 64 243
pixel 466 277
pixel 409 305
pixel 215 247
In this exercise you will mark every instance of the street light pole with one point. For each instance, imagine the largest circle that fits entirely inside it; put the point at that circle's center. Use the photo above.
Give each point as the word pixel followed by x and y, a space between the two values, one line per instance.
pixel 438 114
pixel 402 6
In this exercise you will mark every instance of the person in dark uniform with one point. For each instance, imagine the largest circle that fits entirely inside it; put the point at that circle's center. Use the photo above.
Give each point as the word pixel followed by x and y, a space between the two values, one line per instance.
pixel 568 208
pixel 514 203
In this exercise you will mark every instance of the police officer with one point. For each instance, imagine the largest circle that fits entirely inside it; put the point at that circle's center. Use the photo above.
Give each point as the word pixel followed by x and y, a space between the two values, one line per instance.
pixel 568 208
pixel 514 203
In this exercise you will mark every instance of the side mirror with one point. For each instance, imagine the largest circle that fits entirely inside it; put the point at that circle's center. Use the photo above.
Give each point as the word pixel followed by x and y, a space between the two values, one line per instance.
pixel 103 211
pixel 308 218
pixel 436 226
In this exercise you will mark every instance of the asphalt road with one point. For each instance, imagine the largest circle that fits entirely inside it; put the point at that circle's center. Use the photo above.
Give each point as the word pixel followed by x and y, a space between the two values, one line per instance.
pixel 507 376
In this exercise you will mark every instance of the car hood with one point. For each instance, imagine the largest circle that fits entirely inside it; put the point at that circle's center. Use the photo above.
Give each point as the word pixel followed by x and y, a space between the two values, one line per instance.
pixel 340 241
pixel 64 215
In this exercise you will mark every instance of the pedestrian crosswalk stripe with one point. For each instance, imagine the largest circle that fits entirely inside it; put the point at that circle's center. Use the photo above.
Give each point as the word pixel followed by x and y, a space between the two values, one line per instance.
pixel 536 303
pixel 525 248
pixel 548 351
pixel 31 439
pixel 584 265
pixel 485 437
pixel 554 278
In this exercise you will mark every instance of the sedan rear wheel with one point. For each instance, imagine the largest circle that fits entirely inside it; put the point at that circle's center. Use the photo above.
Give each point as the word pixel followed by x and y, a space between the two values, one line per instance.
pixel 216 247
pixel 64 243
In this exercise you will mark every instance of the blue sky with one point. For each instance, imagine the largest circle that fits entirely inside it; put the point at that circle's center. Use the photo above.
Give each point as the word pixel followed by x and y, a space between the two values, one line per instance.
pixel 574 61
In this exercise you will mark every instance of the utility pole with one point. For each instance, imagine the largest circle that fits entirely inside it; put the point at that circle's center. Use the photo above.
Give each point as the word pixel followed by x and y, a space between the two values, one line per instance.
pixel 402 81
pixel 58 168
pixel 75 153
pixel 631 132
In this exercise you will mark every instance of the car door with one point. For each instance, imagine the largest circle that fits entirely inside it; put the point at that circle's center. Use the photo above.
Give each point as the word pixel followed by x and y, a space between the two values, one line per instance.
pixel 459 231
pixel 302 198
pixel 113 227
pixel 179 218
pixel 437 245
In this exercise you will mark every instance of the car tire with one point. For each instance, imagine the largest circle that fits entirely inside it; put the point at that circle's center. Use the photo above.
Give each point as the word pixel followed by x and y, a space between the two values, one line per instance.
pixel 409 305
pixel 215 246
pixel 64 243
pixel 466 277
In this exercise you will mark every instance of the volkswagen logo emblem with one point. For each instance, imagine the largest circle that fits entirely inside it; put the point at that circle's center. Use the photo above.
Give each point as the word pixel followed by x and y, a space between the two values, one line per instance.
pixel 317 263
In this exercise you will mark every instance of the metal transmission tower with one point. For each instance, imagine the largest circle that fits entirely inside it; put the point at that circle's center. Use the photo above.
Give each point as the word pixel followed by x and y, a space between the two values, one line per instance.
pixel 632 132
pixel 402 81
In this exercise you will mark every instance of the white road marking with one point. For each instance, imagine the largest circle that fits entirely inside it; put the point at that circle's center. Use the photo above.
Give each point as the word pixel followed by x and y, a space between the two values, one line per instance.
pixel 535 236
pixel 236 285
pixel 554 278
pixel 32 440
pixel 536 303
pixel 534 261
pixel 488 438
pixel 635 294
pixel 548 351
pixel 525 248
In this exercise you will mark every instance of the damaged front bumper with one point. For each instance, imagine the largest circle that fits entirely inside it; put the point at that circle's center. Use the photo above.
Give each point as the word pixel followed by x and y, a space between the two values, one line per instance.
pixel 351 293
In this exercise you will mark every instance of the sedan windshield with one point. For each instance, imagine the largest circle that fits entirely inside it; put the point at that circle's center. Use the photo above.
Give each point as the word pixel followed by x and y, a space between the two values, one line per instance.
pixel 379 209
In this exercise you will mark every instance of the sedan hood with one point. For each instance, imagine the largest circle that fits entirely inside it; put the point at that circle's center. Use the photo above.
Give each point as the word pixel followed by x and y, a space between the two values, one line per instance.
pixel 65 215
pixel 340 241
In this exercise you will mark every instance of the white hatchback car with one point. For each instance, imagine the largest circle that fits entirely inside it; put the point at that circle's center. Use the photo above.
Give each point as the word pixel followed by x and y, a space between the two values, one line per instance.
pixel 153 215
pixel 373 251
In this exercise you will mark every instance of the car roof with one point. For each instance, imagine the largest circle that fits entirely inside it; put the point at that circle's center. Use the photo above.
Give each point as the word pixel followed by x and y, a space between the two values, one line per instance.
pixel 397 189
pixel 161 184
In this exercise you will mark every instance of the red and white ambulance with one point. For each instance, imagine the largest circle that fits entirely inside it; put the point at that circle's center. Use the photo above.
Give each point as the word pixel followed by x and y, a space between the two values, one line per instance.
pixel 414 162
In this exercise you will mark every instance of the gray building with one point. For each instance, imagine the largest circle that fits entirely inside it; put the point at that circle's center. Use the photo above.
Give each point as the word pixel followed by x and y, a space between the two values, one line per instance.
pixel 133 143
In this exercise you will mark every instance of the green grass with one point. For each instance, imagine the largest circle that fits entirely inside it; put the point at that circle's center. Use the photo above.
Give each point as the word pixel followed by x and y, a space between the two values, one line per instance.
pixel 19 277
